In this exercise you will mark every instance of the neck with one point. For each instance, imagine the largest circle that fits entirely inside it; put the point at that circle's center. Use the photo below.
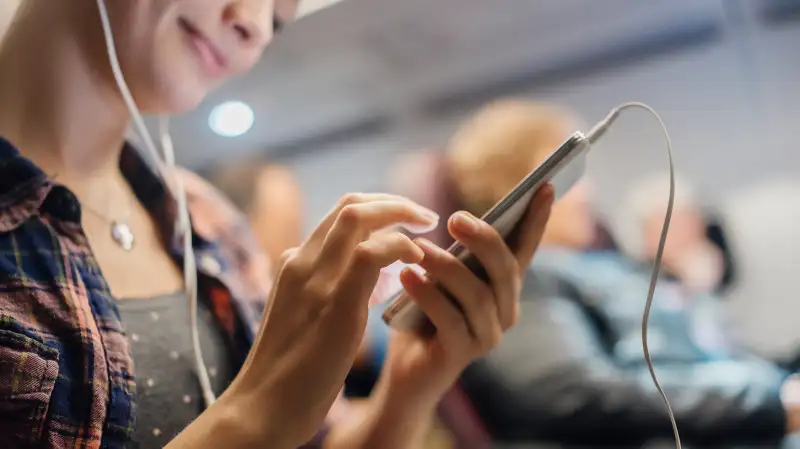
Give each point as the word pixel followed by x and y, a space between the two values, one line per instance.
pixel 61 113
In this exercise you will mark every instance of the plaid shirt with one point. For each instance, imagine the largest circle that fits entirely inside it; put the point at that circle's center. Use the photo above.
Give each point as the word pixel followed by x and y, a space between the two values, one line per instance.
pixel 66 373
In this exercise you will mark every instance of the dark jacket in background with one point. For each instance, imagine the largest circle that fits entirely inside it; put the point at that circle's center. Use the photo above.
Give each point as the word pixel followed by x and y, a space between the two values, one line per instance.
pixel 572 370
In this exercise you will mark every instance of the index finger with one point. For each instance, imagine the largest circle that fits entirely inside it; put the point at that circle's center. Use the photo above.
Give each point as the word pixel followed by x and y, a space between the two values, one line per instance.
pixel 319 234
pixel 532 228
pixel 356 223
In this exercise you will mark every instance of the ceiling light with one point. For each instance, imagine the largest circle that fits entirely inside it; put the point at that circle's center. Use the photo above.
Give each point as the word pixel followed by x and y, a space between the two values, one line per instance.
pixel 231 119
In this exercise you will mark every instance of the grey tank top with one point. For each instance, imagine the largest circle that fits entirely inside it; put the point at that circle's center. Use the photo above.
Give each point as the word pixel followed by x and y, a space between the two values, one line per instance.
pixel 168 393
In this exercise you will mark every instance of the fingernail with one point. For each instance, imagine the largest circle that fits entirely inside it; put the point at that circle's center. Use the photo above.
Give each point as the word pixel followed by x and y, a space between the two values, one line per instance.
pixel 419 228
pixel 428 221
pixel 411 273
pixel 465 222
pixel 428 215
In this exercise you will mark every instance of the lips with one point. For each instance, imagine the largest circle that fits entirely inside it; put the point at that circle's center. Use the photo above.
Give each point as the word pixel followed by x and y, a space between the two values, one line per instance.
pixel 213 61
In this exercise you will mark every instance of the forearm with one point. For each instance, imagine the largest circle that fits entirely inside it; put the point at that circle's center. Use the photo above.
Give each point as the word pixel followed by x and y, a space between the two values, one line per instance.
pixel 226 424
pixel 389 419
pixel 236 422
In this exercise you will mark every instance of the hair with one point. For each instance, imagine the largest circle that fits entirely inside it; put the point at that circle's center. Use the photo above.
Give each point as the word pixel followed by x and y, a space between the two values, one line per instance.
pixel 500 145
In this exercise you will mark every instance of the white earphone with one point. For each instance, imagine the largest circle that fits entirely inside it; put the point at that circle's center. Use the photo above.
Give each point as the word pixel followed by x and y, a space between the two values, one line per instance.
pixel 165 168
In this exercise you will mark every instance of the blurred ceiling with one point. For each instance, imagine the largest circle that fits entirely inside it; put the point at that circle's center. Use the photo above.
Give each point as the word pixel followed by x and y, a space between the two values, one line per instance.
pixel 363 66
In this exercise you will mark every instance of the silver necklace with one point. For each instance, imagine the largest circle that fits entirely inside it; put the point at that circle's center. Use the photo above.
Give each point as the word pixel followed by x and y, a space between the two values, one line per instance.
pixel 121 233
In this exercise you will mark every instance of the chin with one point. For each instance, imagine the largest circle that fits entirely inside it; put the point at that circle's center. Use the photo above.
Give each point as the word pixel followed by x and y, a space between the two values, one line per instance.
pixel 172 94
pixel 183 97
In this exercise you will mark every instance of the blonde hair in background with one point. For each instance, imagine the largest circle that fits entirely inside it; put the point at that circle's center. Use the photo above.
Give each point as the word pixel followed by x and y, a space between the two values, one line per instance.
pixel 644 198
pixel 500 145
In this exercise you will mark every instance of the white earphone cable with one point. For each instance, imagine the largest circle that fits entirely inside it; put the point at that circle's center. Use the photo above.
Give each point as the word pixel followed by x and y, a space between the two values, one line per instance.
pixel 184 227
pixel 593 135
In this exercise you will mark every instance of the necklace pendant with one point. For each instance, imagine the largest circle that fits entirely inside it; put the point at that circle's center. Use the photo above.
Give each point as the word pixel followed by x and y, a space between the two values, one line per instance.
pixel 122 235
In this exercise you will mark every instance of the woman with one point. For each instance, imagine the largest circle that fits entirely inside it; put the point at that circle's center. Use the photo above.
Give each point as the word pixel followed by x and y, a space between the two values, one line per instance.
pixel 86 232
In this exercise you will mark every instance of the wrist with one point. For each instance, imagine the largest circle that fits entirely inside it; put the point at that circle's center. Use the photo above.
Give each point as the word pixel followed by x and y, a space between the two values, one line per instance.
pixel 227 423
pixel 405 398
pixel 251 420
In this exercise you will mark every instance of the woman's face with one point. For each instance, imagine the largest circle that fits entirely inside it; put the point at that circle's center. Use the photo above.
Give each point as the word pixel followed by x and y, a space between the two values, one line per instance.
pixel 174 52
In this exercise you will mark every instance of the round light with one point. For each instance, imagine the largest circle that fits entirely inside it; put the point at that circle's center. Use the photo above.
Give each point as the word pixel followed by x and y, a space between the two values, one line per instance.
pixel 231 119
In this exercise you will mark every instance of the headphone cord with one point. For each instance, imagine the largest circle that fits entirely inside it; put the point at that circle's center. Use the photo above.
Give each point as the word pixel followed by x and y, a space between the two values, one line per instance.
pixel 595 134
pixel 166 170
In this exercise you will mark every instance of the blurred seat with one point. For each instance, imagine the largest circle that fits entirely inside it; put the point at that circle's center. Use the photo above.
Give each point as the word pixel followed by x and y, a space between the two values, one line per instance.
pixel 764 222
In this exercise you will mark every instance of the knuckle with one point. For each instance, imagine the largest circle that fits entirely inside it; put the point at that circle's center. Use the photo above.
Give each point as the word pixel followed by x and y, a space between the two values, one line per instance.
pixel 364 254
pixel 287 256
pixel 316 293
pixel 350 198
pixel 291 265
pixel 350 215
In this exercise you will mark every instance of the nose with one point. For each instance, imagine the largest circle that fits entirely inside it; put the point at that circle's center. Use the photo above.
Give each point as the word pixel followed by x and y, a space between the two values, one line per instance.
pixel 249 21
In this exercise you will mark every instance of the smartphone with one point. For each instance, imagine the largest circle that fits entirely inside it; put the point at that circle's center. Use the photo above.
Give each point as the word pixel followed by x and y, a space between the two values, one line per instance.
pixel 563 168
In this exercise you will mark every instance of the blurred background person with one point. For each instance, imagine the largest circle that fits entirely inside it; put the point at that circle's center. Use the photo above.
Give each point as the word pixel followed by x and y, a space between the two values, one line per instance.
pixel 273 199
pixel 690 256
pixel 572 371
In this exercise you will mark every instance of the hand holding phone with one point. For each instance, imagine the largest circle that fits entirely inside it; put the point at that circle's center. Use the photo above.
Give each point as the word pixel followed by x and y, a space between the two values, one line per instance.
pixel 566 162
